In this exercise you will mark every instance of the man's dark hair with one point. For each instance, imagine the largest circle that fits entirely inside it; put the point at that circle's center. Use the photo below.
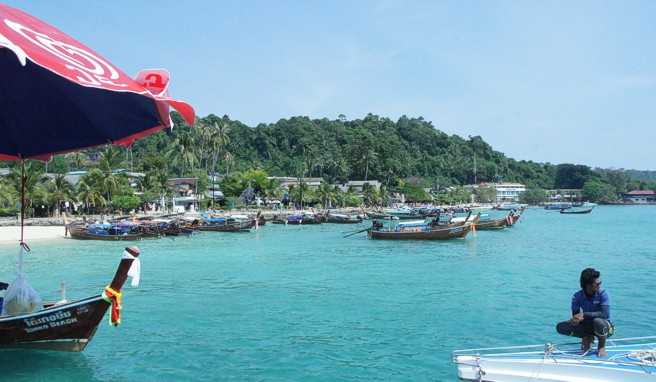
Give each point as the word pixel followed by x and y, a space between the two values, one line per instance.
pixel 588 276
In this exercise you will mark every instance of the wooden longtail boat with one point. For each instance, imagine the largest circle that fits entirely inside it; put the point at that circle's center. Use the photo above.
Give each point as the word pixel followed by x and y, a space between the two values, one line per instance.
pixel 492 224
pixel 437 233
pixel 342 219
pixel 500 223
pixel 68 327
pixel 304 219
pixel 233 227
pixel 81 233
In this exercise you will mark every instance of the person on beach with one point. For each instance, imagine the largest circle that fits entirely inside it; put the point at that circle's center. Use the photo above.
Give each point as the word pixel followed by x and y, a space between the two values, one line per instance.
pixel 590 314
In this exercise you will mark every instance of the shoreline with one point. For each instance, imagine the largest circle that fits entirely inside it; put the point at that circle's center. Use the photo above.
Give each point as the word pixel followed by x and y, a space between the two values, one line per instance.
pixel 11 234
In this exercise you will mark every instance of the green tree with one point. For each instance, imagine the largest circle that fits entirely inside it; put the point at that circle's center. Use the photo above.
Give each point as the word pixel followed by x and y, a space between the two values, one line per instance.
pixel 533 196
pixel 485 194
pixel 60 191
pixel 596 191
pixel 89 195
pixel 126 202
pixel 326 195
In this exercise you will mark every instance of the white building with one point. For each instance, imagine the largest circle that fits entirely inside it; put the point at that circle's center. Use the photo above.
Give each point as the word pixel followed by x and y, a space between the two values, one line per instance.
pixel 287 181
pixel 358 185
pixel 508 192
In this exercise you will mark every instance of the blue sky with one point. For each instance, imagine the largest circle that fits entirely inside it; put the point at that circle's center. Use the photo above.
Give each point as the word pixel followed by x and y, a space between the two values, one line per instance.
pixel 542 80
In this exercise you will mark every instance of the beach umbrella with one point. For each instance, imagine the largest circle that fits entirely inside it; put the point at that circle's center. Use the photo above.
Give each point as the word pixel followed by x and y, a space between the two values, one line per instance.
pixel 57 95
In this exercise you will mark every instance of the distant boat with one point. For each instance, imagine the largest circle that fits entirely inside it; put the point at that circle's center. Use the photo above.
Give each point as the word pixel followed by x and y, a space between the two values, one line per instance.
pixel 487 223
pixel 342 218
pixel 629 360
pixel 585 208
pixel 558 206
pixel 422 233
pixel 509 207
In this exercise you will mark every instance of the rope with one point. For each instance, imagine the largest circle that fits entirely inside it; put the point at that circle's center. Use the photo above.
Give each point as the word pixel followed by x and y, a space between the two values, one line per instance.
pixel 113 297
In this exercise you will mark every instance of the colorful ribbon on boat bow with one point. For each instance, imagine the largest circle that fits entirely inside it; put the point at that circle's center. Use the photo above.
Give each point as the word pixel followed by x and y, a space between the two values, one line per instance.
pixel 113 297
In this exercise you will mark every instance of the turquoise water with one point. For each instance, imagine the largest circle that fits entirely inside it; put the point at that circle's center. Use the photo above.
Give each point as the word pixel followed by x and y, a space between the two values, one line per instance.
pixel 302 303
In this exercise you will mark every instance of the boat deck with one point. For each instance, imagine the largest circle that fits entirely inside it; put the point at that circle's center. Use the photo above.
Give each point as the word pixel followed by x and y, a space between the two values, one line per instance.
pixel 631 359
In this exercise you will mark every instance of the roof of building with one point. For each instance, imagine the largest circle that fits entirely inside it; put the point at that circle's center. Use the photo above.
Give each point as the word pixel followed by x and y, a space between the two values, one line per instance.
pixel 179 181
pixel 361 182
pixel 640 193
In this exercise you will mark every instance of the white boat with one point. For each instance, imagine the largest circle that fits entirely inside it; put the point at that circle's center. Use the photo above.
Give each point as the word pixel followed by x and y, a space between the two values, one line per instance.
pixel 629 360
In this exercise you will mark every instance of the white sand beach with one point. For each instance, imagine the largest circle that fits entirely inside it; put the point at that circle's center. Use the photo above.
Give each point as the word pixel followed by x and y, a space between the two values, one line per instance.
pixel 10 235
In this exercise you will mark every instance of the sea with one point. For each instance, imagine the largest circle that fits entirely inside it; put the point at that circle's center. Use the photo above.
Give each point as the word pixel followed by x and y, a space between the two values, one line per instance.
pixel 303 303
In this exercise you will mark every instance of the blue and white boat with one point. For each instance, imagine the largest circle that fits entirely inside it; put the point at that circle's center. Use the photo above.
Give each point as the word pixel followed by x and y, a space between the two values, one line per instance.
pixel 628 360
pixel 557 206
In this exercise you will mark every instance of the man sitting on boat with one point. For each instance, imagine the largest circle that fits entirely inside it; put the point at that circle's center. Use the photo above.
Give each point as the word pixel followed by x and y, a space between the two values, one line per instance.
pixel 590 314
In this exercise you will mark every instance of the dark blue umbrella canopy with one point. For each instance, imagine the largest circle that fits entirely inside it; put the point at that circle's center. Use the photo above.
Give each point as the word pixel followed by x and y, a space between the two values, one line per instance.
pixel 57 95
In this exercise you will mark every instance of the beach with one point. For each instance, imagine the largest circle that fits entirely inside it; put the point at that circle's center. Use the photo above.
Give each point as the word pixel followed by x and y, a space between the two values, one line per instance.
pixel 11 234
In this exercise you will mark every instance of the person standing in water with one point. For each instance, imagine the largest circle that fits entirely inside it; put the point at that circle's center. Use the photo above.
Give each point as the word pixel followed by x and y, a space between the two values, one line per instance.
pixel 590 314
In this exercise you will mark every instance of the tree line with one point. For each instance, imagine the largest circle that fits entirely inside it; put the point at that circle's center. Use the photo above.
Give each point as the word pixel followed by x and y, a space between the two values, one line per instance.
pixel 409 155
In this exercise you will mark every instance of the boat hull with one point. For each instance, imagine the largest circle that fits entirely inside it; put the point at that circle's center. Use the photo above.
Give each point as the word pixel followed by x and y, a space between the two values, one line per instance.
pixel 84 235
pixel 493 224
pixel 67 327
pixel 472 368
pixel 436 234
pixel 576 212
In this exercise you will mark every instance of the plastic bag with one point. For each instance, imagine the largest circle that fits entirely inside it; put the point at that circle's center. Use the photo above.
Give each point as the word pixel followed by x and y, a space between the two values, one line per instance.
pixel 20 298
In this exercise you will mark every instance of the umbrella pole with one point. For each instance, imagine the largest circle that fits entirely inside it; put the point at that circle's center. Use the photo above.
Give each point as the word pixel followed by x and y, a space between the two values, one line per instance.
pixel 22 222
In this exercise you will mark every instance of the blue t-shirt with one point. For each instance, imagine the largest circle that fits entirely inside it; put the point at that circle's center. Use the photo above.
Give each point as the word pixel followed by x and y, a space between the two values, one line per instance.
pixel 590 304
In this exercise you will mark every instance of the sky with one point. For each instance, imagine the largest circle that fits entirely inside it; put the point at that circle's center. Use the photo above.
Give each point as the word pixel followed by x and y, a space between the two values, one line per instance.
pixel 548 81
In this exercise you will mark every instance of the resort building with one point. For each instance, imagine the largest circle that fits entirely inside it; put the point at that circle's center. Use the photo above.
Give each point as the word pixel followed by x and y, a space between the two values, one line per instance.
pixel 359 185
pixel 565 194
pixel 288 181
pixel 506 192
pixel 214 187
pixel 639 197
pixel 185 196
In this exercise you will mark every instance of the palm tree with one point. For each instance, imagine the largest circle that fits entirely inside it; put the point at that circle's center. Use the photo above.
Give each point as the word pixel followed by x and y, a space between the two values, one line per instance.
pixel 60 191
pixel 8 196
pixel 110 159
pixel 299 193
pixel 220 140
pixel 340 197
pixel 33 177
pixel 326 194
pixel 89 195
pixel 77 159
pixel 182 152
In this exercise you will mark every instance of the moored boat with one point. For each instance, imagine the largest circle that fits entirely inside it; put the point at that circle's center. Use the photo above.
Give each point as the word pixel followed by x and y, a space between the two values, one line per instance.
pixel 585 208
pixel 107 232
pixel 419 232
pixel 557 206
pixel 67 326
pixel 628 360
pixel 342 218
pixel 304 219
pixel 492 224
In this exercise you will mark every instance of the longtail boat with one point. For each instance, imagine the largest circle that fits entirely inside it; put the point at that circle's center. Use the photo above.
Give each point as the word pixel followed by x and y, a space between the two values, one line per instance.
pixel 493 224
pixel 421 233
pixel 106 232
pixel 498 223
pixel 342 219
pixel 304 219
pixel 65 326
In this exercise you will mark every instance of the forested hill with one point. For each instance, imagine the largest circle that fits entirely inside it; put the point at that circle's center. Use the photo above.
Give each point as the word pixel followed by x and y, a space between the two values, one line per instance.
pixel 409 150
pixel 370 148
